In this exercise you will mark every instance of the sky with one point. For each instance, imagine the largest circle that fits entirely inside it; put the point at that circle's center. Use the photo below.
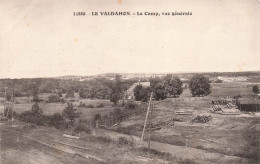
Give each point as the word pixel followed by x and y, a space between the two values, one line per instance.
pixel 43 38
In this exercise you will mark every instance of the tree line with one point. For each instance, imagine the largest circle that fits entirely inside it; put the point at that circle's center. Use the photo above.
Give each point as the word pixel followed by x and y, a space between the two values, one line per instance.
pixel 101 88
pixel 172 86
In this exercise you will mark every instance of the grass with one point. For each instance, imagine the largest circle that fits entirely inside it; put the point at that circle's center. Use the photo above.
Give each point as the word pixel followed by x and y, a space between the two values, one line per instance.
pixel 51 108
pixel 155 153
pixel 219 138
pixel 48 108
pixel 231 89
pixel 89 113
pixel 96 102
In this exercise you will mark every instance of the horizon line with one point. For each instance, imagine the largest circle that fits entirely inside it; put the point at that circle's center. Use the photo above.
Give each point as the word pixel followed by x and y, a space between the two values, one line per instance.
pixel 165 73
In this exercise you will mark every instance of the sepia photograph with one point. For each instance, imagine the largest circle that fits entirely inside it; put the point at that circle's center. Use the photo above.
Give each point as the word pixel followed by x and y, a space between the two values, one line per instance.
pixel 130 82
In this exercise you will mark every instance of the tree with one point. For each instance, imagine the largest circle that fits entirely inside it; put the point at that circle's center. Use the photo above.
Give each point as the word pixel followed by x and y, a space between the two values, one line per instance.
pixel 35 92
pixel 199 85
pixel 158 88
pixel 70 93
pixel 54 98
pixel 36 110
pixel 116 91
pixel 173 85
pixel 141 93
pixel 97 116
pixel 70 113
pixel 160 92
pixel 255 89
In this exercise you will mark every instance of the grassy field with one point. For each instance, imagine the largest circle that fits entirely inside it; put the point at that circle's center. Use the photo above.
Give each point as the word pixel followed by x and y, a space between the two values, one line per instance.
pixel 228 135
pixel 231 89
pixel 51 108
pixel 48 108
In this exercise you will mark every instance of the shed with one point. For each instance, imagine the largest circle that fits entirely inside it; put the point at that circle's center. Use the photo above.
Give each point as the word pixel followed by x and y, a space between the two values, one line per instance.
pixel 249 105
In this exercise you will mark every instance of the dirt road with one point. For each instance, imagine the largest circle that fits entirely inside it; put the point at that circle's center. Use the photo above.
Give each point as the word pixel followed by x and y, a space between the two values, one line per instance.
pixel 15 148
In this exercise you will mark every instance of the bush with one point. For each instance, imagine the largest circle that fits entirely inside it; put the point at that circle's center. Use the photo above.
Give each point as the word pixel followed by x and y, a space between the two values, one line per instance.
pixel 100 105
pixel 255 89
pixel 36 110
pixel 125 141
pixel 81 104
pixel 30 117
pixel 104 139
pixel 62 100
pixel 70 113
pixel 57 121
pixel 130 105
pixel 54 98
pixel 163 155
pixel 97 116
pixel 202 118
pixel 26 116
pixel 89 106
pixel 81 127
pixel 70 93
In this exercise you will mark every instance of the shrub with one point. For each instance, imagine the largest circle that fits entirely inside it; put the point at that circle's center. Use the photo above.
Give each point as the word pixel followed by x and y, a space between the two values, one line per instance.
pixel 70 93
pixel 89 106
pixel 202 118
pixel 125 141
pixel 130 105
pixel 36 110
pixel 81 104
pixel 57 121
pixel 100 105
pixel 30 117
pixel 97 116
pixel 104 139
pixel 54 98
pixel 62 100
pixel 163 155
pixel 124 130
pixel 25 116
pixel 255 89
pixel 81 127
pixel 70 113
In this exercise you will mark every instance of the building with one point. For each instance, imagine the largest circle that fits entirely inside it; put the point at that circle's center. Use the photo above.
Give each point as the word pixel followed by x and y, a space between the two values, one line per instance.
pixel 249 105
pixel 129 94
pixel 227 79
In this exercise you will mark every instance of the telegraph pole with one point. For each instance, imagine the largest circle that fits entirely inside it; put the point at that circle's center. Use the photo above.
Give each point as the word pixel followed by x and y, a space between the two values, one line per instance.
pixel 12 104
pixel 8 105
pixel 150 125
pixel 5 105
pixel 146 118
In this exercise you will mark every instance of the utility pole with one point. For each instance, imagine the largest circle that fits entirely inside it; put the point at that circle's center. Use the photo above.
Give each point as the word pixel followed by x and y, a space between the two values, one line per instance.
pixel 150 125
pixel 147 114
pixel 12 104
pixel 5 105
pixel 8 105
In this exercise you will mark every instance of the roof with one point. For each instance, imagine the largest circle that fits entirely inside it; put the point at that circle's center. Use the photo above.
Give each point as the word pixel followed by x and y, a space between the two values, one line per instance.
pixel 250 102
pixel 144 84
